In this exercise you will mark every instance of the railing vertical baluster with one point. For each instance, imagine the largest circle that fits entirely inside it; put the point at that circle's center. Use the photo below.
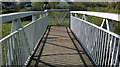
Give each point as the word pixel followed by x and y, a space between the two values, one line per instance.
pixel 1 54
pixel 99 43
pixel 11 43
pixel 97 46
pixel 100 47
pixel 93 42
pixel 96 42
pixel 34 18
pixel 94 45
pixel 9 53
pixel 15 39
pixel 104 49
pixel 14 50
pixel 18 47
pixel 110 50
pixel 6 51
pixel 107 49
pixel 113 52
pixel 117 61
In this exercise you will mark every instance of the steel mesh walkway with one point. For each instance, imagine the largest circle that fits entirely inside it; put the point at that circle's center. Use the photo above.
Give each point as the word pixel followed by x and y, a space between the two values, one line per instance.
pixel 59 48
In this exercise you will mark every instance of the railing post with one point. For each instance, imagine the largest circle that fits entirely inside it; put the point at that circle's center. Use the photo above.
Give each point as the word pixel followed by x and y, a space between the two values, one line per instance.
pixel 40 15
pixel 107 24
pixel 16 24
pixel 76 15
pixel 1 56
pixel 34 18
pixel 69 18
pixel 84 17
pixel 45 13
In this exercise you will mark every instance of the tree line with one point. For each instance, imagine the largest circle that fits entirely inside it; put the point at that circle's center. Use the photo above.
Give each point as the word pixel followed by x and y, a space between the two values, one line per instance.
pixel 80 6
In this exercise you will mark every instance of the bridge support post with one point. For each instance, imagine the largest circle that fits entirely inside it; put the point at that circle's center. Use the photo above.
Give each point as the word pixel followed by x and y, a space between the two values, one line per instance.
pixel 16 24
pixel 34 18
pixel 107 24
pixel 84 17
pixel 40 15
pixel 76 15
pixel 45 13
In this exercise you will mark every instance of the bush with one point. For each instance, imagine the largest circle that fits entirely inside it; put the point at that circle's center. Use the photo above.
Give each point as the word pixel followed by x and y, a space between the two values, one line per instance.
pixel 4 11
pixel 77 7
pixel 37 6
pixel 24 10
pixel 28 18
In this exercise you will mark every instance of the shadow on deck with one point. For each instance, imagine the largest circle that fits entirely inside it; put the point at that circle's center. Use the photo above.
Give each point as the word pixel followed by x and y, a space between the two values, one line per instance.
pixel 59 48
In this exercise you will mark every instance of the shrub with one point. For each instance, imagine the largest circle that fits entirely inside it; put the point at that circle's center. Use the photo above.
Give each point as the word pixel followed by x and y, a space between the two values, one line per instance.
pixel 4 11
pixel 24 10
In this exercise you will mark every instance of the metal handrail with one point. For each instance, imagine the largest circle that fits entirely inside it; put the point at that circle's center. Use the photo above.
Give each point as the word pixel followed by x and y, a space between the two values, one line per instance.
pixel 111 16
pixel 13 16
pixel 59 10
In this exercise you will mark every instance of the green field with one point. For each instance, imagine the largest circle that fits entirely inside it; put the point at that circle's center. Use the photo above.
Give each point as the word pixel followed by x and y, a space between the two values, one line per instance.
pixel 6 28
pixel 57 19
pixel 109 7
pixel 98 21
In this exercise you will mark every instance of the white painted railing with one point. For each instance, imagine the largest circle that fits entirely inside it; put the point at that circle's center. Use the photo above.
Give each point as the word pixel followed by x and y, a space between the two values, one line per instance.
pixel 17 48
pixel 102 45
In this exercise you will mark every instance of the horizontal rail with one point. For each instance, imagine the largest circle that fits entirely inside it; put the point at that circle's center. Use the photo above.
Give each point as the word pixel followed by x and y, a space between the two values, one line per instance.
pixel 58 10
pixel 13 16
pixel 111 16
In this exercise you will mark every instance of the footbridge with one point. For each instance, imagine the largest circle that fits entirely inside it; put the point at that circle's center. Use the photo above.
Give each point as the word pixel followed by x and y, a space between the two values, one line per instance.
pixel 60 38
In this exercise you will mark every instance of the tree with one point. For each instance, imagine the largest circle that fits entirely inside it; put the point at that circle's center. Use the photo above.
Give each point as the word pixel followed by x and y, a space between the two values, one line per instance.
pixel 37 5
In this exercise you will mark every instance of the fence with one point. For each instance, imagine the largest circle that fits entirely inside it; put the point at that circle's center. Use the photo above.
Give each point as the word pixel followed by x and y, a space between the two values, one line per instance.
pixel 101 44
pixel 18 47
